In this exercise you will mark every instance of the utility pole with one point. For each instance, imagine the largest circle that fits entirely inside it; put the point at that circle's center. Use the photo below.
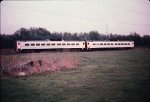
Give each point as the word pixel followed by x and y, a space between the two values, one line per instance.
pixel 107 33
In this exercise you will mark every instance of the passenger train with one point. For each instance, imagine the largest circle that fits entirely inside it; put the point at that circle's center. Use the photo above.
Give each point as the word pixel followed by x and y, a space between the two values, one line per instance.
pixel 83 45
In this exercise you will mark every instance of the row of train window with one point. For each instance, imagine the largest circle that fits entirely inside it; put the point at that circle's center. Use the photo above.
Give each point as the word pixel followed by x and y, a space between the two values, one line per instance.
pixel 52 44
pixel 111 43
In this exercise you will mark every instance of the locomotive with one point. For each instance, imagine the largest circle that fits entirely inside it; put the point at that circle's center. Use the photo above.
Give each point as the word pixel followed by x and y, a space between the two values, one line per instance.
pixel 82 45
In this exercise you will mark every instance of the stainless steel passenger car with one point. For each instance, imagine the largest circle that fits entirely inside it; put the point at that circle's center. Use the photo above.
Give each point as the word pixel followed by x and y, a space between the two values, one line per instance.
pixel 45 45
pixel 110 44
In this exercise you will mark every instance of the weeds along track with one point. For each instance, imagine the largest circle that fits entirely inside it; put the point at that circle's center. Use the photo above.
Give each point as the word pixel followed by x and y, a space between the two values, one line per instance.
pixel 25 64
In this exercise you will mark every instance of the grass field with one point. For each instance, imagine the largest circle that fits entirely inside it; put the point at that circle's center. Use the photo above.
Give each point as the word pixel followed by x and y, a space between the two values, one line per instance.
pixel 100 76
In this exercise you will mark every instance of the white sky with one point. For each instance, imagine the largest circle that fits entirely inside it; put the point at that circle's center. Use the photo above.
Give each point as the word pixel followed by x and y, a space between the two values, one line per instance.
pixel 112 16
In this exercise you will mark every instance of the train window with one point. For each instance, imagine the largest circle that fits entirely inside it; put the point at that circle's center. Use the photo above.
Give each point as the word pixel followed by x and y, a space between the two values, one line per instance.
pixel 72 43
pixel 32 44
pixel 83 43
pixel 115 43
pixel 94 44
pixel 101 43
pixel 77 43
pixel 128 43
pixel 18 43
pixel 108 43
pixel 63 44
pixel 97 43
pixel 43 44
pixel 111 43
pixel 125 44
pixel 37 44
pixel 118 43
pixel 48 44
pixel 104 43
pixel 26 44
pixel 68 43
pixel 53 44
pixel 58 43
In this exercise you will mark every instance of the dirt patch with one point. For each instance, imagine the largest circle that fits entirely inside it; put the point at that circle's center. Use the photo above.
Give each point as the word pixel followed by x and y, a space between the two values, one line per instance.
pixel 40 66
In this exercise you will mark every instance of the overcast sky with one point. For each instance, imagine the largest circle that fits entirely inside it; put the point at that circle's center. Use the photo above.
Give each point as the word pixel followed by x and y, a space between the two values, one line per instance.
pixel 104 16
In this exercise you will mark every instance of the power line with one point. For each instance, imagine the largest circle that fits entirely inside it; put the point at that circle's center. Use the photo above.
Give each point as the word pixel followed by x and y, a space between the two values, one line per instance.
pixel 129 10
pixel 54 13
pixel 74 17
pixel 132 23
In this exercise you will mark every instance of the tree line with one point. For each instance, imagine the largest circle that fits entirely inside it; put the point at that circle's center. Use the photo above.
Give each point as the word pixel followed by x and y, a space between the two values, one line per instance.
pixel 8 41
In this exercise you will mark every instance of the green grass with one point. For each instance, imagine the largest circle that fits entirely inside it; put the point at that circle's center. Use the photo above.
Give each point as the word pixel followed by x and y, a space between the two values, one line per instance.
pixel 102 76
